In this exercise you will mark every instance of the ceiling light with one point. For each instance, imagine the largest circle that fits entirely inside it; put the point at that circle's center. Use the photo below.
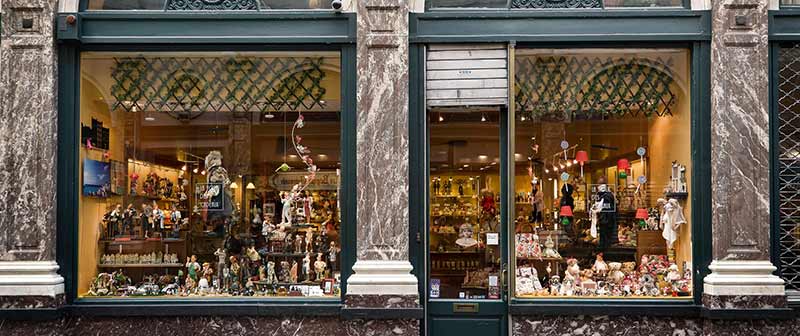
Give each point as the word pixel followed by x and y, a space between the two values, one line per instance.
pixel 250 186
pixel 149 118
pixel 195 170
pixel 203 172
pixel 234 185
pixel 569 163
pixel 483 118
pixel 561 165
pixel 441 118
pixel 483 157
pixel 466 166
pixel 184 167
pixel 523 118
pixel 546 170
pixel 269 116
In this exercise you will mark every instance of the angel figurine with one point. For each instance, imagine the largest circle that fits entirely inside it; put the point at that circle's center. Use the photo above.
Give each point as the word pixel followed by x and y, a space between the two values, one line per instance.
pixel 671 221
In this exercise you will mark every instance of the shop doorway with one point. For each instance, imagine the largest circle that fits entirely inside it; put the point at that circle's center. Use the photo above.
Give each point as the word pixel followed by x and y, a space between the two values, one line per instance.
pixel 466 238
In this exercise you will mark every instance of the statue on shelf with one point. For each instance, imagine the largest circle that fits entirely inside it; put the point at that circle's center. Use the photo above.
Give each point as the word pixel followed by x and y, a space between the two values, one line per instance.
pixel 271 277
pixel 129 219
pixel 293 272
pixel 203 284
pixel 262 273
pixel 333 251
pixel 267 227
pixel 158 217
pixel 298 244
pixel 112 220
pixel 287 243
pixel 309 240
pixel 283 275
pixel 192 268
pixel 235 274
pixel 319 267
pixel 307 267
pixel 146 219
pixel 286 211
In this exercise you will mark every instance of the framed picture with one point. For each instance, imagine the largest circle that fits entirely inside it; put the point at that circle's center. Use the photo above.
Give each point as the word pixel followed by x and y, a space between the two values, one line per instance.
pixel 96 178
pixel 269 209
pixel 327 286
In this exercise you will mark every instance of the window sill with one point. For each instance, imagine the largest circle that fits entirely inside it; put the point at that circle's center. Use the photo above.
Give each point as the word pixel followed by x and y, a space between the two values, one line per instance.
pixel 204 307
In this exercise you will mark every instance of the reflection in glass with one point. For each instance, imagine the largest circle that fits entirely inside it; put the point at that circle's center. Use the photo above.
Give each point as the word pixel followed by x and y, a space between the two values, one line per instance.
pixel 209 175
pixel 464 204
pixel 602 174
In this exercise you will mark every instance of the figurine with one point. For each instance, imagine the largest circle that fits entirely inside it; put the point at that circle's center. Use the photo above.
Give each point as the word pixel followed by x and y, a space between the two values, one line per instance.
pixel 175 218
pixel 252 254
pixel 555 285
pixel 309 240
pixel 271 278
pixel 112 220
pixel 128 219
pixel 567 288
pixel 298 244
pixel 203 284
pixel 221 259
pixel 287 243
pixel 573 271
pixel 673 275
pixel 549 249
pixel 286 211
pixel 267 227
pixel 192 267
pixel 283 275
pixel 333 251
pixel 145 217
pixel 235 274
pixel 307 267
pixel 606 222
pixel 319 267
pixel 293 272
pixel 600 267
pixel 262 273
pixel 158 217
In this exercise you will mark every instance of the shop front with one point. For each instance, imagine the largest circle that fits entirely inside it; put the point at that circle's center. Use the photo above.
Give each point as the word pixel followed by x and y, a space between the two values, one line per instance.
pixel 397 167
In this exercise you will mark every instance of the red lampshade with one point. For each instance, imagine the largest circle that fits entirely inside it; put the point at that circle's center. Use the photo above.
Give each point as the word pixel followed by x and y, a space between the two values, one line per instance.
pixel 582 157
pixel 566 211
pixel 623 164
pixel 642 213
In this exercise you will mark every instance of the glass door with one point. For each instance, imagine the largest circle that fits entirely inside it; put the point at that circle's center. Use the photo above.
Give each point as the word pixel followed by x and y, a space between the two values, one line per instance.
pixel 466 237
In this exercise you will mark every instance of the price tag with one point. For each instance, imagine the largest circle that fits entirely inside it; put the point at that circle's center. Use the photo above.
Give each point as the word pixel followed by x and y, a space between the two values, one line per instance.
pixel 492 238
pixel 492 281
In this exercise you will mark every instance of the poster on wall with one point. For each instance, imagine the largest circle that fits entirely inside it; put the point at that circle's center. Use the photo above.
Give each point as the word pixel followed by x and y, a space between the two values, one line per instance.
pixel 209 196
pixel 96 178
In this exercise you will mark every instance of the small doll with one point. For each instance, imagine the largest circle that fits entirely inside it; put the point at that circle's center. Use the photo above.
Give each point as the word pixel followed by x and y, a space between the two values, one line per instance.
pixel 158 217
pixel 549 249
pixel 271 276
pixel 600 267
pixel 287 243
pixel 307 267
pixel 309 241
pixel 262 273
pixel 332 252
pixel 298 244
pixel 573 271
pixel 673 275
pixel 319 267
pixel 284 272
pixel 293 272
pixel 192 268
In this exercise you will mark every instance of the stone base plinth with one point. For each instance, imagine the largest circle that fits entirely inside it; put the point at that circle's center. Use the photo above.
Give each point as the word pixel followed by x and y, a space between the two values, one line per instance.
pixel 382 277
pixel 30 279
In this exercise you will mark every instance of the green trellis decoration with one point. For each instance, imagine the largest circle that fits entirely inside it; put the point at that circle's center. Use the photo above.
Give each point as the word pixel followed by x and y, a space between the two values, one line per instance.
pixel 563 88
pixel 186 87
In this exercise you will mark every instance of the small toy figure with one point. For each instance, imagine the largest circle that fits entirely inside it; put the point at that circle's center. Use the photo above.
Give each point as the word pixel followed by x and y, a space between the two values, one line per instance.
pixel 319 267
pixel 113 220
pixel 235 274
pixel 293 272
pixel 158 217
pixel 262 273
pixel 600 267
pixel 192 268
pixel 221 258
pixel 307 267
pixel 129 218
pixel 287 243
pixel 309 241
pixel 175 218
pixel 271 278
pixel 286 211
pixel 298 244
pixel 267 227
pixel 549 248
pixel 333 251
pixel 146 219
pixel 572 272
pixel 673 275
pixel 203 284
pixel 283 275
pixel 671 220
pixel 252 254
pixel 555 285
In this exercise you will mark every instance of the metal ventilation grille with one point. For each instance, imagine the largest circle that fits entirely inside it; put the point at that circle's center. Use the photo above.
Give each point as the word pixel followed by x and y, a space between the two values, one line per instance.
pixel 187 86
pixel 789 164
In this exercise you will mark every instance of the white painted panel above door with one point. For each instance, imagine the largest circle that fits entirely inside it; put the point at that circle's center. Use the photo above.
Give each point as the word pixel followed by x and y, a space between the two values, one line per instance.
pixel 466 75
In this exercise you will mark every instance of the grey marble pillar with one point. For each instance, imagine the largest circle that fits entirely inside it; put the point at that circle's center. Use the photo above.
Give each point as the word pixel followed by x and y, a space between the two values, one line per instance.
pixel 382 266
pixel 28 112
pixel 741 272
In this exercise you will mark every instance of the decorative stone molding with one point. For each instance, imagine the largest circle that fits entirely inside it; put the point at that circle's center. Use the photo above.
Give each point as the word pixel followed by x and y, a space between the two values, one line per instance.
pixel 741 277
pixel 30 278
pixel 382 277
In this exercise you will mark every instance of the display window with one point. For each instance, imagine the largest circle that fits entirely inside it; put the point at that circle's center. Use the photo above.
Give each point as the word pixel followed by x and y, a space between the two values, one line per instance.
pixel 210 175
pixel 602 174
pixel 550 4
pixel 208 4
pixel 464 238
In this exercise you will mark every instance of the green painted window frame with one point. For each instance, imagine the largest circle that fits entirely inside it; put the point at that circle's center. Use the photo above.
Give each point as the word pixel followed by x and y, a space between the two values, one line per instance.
pixel 68 192
pixel 685 4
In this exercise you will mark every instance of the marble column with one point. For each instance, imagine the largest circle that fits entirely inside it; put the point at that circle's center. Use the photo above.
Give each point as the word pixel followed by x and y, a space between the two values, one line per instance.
pixel 28 277
pixel 741 275
pixel 382 270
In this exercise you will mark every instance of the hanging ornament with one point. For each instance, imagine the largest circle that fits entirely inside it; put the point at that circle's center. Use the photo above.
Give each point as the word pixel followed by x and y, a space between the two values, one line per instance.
pixel 582 157
pixel 564 146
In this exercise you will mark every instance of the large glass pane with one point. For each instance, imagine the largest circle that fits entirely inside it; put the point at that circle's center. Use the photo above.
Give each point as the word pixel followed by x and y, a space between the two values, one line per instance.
pixel 603 174
pixel 465 242
pixel 209 175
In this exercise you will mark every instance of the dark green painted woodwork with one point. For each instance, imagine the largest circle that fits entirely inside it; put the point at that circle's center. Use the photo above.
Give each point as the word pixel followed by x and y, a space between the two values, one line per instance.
pixel 448 326
pixel 179 5
pixel 550 4
pixel 560 26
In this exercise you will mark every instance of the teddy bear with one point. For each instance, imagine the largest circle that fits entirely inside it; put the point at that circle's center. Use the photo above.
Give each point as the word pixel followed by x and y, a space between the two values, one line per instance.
pixel 615 274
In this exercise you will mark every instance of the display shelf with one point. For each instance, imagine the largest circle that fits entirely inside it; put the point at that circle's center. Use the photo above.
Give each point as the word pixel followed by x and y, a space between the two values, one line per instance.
pixel 677 195
pixel 539 259
pixel 288 255
pixel 138 265
pixel 457 252
pixel 141 241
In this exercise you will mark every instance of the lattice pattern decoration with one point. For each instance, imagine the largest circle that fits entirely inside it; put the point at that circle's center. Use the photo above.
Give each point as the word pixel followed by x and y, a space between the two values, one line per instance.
pixel 186 87
pixel 545 4
pixel 789 164
pixel 178 5
pixel 562 88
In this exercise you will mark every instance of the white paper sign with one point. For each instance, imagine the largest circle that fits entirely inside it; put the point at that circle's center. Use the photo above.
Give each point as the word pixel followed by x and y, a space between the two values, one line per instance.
pixel 492 281
pixel 492 238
